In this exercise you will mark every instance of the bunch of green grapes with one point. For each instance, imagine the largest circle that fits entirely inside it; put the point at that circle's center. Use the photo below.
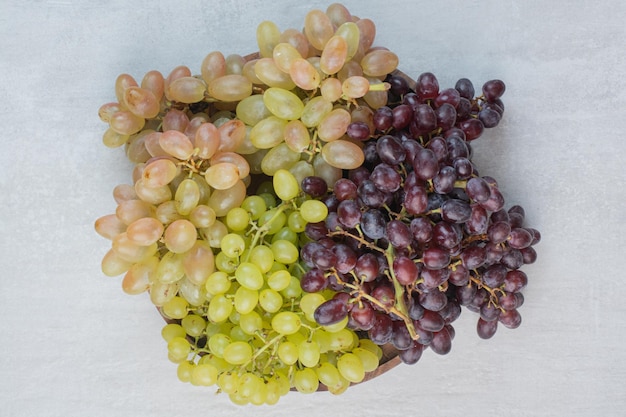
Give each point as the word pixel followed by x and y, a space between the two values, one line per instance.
pixel 213 222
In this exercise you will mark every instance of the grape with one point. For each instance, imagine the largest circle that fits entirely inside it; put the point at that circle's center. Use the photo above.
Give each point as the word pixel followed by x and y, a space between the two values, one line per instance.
pixel 331 312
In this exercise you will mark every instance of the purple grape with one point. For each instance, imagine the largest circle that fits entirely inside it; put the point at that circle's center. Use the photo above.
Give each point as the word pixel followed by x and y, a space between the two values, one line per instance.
pixel 513 259
pixel 433 300
pixel 477 189
pixel 515 281
pixel 459 276
pixel 370 195
pixel 529 255
pixel 493 90
pixel 345 189
pixel 398 85
pixel 367 267
pixel 520 238
pixel 405 270
pixel 447 235
pixel 383 119
pixel 358 175
pixel 402 116
pixel 432 278
pixel 349 213
pixel 415 309
pixel 416 200
pixel 448 96
pixel 465 294
pixel 424 120
pixel 411 355
pixel 422 229
pixel 390 150
pixel 363 315
pixel 472 128
pixel 463 167
pixel 443 183
pixel 427 86
pixel 382 330
pixel 464 109
pixel 436 258
pixel 465 88
pixel 489 117
pixel 373 224
pixel 385 178
pixel 442 342
pixel 431 321
pixel 358 131
pixel 331 311
pixel 510 319
pixel 398 234
pixel 313 281
pixel 425 164
pixel 486 329
pixel 440 147
pixel 489 312
pixel 494 275
pixel 346 258
pixel 446 116
pixel 473 257
pixel 478 222
pixel 456 211
pixel 401 338
pixel 314 186
pixel 457 147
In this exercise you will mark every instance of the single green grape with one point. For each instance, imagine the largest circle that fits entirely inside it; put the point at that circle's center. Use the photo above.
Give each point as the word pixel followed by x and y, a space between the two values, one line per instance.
pixel 238 219
pixel 313 211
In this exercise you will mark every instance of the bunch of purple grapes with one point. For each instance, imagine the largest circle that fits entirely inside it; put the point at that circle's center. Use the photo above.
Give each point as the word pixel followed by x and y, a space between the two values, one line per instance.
pixel 416 233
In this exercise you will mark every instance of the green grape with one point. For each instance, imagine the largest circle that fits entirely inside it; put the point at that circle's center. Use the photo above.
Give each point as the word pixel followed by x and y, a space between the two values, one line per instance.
pixel 368 359
pixel 251 110
pixel 270 300
pixel 180 236
pixel 334 55
pixel 284 55
pixel 225 264
pixel 318 28
pixel 379 63
pixel 215 328
pixel 196 295
pixel 285 234
pixel 186 90
pixel 304 74
pixel 337 327
pixel 262 257
pixel 251 322
pixel 238 353
pixel 309 302
pixel 268 133
pixel 249 384
pixel 204 375
pixel 178 349
pixel 166 211
pixel 309 353
pixel 126 123
pixel 377 96
pixel 279 157
pixel 283 104
pixel 170 268
pixel 267 36
pixel 220 308
pixel 194 325
pixel 327 374
pixel 161 293
pixel 367 344
pixel 138 278
pixel 259 397
pixel 323 169
pixel 217 344
pixel 296 222
pixel 221 201
pixel 273 392
pixel 279 280
pixel 322 337
pixel 297 136
pixel 176 308
pixel 301 170
pixel 230 88
pixel 130 252
pixel 268 72
pixel 228 382
pixel 184 371
pixel 112 139
pixel 176 144
pixel 249 275
pixel 255 206
pixel 273 220
pixel 237 219
pixel 305 380
pixel 268 197
pixel 246 300
pixel 213 66
pixel 172 330
pixel 293 290
pixel 340 387
pixel 343 154
pixel 199 263
pixel 351 367
pixel 313 211
pixel 217 283
pixel 288 352
pixel 316 108
pixel 285 252
pixel 286 322
pixel 217 362
pixel 233 245
pixel 351 33
pixel 214 233
pixel 285 185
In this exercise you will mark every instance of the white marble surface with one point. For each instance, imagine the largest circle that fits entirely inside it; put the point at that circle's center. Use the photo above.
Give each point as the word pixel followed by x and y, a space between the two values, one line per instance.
pixel 72 344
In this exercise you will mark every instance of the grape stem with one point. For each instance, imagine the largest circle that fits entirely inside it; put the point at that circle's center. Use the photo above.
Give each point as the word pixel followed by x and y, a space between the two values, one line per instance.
pixel 261 231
